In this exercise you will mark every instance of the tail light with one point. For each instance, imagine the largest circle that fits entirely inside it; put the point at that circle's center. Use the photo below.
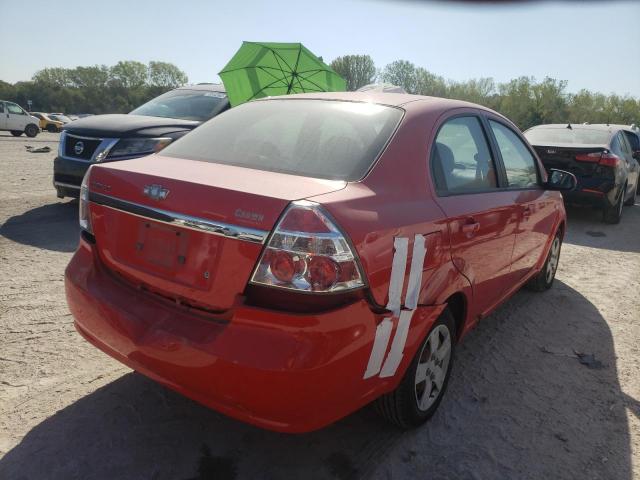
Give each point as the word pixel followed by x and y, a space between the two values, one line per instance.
pixel 307 252
pixel 606 159
pixel 83 210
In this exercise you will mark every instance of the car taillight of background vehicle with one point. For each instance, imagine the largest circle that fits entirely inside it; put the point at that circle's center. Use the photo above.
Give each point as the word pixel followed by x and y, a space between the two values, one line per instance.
pixel 607 159
pixel 83 210
pixel 307 252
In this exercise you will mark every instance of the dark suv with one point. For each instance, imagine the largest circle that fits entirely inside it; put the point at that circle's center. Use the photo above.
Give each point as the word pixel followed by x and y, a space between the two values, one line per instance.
pixel 147 129
pixel 602 157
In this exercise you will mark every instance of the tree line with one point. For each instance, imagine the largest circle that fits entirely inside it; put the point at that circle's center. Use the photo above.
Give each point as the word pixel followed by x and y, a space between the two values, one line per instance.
pixel 523 100
pixel 95 89
pixel 128 84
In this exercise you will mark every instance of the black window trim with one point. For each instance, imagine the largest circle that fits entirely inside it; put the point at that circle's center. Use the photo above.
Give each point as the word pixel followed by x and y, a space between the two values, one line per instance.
pixel 499 168
pixel 498 154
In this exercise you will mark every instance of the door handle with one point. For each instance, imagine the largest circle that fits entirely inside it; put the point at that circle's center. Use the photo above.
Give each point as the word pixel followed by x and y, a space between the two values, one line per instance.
pixel 470 227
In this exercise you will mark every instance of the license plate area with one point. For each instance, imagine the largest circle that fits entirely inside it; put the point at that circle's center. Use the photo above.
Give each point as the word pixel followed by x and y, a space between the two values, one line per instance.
pixel 174 254
pixel 162 246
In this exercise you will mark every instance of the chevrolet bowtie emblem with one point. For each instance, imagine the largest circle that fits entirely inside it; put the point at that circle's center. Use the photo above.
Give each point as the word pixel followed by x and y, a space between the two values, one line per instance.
pixel 157 192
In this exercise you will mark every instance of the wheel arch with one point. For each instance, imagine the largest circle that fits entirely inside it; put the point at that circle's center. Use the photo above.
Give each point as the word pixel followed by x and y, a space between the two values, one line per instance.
pixel 457 304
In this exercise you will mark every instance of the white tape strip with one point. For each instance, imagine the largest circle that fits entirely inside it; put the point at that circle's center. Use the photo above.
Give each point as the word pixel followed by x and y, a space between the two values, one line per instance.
pixel 398 268
pixel 415 275
pixel 383 332
pixel 397 347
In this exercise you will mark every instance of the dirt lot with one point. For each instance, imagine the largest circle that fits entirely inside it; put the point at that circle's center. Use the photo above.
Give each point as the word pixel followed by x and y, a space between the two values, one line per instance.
pixel 520 403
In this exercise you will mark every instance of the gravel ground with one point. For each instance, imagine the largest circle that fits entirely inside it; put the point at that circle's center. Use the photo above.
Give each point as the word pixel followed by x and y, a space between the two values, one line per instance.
pixel 520 403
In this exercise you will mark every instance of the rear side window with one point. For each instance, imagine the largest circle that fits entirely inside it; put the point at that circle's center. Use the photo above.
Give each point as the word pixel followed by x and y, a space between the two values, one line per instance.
pixel 460 159
pixel 634 140
pixel 616 146
pixel 519 163
pixel 315 138
pixel 625 145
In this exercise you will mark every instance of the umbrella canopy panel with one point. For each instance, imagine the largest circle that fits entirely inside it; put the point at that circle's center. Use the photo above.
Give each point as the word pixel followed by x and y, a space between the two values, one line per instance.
pixel 268 69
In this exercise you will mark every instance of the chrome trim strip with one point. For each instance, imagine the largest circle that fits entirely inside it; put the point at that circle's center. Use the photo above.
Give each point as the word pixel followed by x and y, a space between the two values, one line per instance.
pixel 179 220
pixel 66 185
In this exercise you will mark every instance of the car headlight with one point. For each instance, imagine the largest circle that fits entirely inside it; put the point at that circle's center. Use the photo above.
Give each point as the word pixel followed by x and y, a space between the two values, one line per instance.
pixel 127 147
pixel 63 138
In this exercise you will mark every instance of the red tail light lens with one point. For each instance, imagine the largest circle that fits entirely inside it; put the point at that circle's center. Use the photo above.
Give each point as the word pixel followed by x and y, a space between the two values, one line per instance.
pixel 83 207
pixel 308 252
pixel 589 157
pixel 605 158
pixel 609 160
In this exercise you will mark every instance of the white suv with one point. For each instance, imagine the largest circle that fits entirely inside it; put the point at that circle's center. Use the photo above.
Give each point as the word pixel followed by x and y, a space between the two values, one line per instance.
pixel 14 119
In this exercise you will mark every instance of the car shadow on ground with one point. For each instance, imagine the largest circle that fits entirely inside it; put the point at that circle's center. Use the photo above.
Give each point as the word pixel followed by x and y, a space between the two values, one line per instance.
pixel 586 228
pixel 52 227
pixel 534 394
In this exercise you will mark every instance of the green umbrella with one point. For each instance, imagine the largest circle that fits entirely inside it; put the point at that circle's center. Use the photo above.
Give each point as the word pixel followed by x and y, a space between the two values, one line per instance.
pixel 268 69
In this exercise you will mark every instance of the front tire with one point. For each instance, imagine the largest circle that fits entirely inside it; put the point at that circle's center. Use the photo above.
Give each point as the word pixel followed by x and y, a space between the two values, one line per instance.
pixel 16 133
pixel 31 130
pixel 420 392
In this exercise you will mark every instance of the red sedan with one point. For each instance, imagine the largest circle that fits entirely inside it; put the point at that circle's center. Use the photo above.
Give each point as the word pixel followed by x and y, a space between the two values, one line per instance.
pixel 298 257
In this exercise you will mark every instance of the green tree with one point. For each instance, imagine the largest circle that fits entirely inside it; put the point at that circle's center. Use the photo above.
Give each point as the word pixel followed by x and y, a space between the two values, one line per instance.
pixel 357 70
pixel 129 74
pixel 401 73
pixel 166 75
pixel 427 83
pixel 56 76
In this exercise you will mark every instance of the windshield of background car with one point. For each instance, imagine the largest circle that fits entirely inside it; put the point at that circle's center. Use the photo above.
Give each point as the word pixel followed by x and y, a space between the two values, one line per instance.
pixel 575 135
pixel 198 105
pixel 315 138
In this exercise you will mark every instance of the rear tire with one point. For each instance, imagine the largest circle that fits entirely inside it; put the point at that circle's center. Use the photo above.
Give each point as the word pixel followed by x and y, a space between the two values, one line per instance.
pixel 52 128
pixel 16 133
pixel 545 277
pixel 31 130
pixel 613 213
pixel 632 199
pixel 411 404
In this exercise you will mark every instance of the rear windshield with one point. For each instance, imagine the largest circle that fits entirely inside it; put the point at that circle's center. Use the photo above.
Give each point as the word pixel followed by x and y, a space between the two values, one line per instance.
pixel 198 105
pixel 575 135
pixel 315 138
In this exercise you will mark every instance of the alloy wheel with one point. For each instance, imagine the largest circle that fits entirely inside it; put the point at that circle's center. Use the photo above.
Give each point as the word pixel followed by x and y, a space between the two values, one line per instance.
pixel 432 367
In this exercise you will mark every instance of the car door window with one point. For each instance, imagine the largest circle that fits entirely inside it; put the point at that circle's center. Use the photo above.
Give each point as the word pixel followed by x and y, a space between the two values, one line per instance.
pixel 461 160
pixel 519 163
pixel 634 141
pixel 625 146
pixel 15 109
pixel 616 146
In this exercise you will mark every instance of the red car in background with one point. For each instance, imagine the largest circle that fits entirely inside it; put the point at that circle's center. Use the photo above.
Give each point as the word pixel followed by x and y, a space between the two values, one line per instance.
pixel 299 257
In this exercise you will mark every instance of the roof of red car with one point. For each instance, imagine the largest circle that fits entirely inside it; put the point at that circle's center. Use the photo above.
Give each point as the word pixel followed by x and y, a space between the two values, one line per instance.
pixel 404 100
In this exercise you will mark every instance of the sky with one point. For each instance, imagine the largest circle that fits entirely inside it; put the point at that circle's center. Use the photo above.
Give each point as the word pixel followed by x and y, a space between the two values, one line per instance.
pixel 592 45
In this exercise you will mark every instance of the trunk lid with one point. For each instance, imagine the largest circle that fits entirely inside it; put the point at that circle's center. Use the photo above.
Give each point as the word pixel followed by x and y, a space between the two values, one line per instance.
pixel 188 230
pixel 563 157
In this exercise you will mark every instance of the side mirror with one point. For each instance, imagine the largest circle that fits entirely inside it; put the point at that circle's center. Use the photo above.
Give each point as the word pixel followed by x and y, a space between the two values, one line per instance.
pixel 561 180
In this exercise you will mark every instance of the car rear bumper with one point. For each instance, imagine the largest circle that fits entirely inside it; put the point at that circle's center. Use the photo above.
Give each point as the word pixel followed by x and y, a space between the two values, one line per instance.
pixel 281 371
pixel 595 192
